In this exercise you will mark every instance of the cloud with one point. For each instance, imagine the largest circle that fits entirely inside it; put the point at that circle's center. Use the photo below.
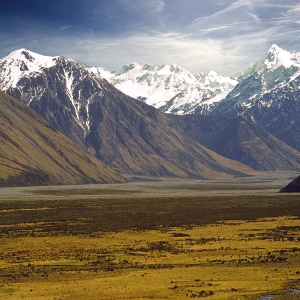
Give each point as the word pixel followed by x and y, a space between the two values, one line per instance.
pixel 255 17
pixel 64 28
pixel 194 54
pixel 159 7
pixel 245 23
pixel 223 35
pixel 228 9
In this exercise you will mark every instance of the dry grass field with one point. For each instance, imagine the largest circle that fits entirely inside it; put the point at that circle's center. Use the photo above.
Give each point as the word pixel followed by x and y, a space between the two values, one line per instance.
pixel 170 240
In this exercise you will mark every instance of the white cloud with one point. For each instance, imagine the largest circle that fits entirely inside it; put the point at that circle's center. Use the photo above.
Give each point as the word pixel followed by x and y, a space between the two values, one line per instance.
pixel 64 28
pixel 255 17
pixel 196 55
pixel 227 37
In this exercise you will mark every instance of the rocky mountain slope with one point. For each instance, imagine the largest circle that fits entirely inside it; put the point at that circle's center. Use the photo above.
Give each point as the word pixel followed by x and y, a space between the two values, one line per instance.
pixel 269 94
pixel 240 139
pixel 170 88
pixel 34 153
pixel 124 133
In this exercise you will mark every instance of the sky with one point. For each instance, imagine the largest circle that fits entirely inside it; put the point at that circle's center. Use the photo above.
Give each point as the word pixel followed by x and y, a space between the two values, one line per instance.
pixel 200 35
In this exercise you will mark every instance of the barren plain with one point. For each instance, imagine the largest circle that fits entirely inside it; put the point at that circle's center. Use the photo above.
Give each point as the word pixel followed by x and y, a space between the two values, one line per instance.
pixel 151 238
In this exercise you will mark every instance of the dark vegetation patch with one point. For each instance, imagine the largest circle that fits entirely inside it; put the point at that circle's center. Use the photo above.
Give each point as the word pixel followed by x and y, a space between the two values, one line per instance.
pixel 28 178
pixel 90 215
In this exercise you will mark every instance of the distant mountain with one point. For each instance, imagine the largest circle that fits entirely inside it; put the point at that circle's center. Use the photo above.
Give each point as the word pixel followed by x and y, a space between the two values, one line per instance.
pixel 126 134
pixel 240 139
pixel 269 94
pixel 34 153
pixel 170 88
pixel 292 187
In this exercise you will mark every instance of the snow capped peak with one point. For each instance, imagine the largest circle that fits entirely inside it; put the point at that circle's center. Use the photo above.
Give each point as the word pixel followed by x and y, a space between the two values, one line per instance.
pixel 128 68
pixel 275 48
pixel 20 63
pixel 101 72
pixel 169 88
pixel 27 57
pixel 29 60
pixel 212 76
pixel 272 60
pixel 262 85
pixel 20 54
pixel 213 79
pixel 277 57
pixel 176 68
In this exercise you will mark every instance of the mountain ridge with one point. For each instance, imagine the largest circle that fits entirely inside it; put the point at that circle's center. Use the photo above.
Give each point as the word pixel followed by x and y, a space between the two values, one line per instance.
pixel 34 153
pixel 169 88
pixel 124 133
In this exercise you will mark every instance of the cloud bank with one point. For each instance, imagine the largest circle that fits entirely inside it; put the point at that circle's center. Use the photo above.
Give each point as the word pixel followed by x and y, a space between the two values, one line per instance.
pixel 223 35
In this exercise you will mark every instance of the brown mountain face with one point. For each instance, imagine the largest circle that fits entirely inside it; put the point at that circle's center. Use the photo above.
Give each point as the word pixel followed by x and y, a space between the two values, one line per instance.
pixel 136 138
pixel 242 140
pixel 32 152
pixel 292 187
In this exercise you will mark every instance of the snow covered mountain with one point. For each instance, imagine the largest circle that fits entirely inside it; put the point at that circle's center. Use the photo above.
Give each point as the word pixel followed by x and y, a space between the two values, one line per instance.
pixel 269 94
pixel 170 88
pixel 135 138
pixel 52 86
pixel 124 133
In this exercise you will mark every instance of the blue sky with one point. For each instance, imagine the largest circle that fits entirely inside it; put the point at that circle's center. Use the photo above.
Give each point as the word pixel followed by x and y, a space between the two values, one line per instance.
pixel 200 35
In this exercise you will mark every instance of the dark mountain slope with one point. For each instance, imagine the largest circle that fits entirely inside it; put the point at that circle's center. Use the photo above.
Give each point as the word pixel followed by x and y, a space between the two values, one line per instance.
pixel 136 138
pixel 32 152
pixel 240 139
pixel 292 187
pixel 250 144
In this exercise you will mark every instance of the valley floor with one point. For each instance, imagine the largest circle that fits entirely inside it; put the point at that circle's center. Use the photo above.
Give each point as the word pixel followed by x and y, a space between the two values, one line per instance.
pixel 164 239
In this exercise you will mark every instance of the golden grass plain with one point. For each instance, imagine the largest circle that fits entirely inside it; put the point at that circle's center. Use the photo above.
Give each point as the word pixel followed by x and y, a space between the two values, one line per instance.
pixel 122 245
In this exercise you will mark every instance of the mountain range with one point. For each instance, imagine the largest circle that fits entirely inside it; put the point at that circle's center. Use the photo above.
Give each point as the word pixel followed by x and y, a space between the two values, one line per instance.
pixel 169 88
pixel 171 136
pixel 124 133
pixel 267 92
